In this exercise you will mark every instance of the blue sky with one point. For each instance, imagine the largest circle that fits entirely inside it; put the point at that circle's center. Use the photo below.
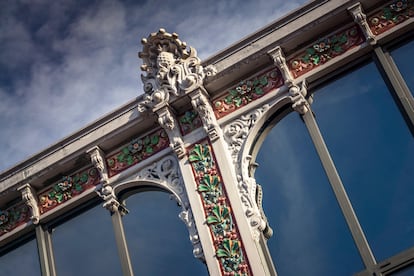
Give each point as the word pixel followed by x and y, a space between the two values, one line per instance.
pixel 64 64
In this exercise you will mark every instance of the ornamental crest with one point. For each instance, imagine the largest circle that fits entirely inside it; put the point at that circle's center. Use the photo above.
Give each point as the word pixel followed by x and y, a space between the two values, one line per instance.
pixel 171 69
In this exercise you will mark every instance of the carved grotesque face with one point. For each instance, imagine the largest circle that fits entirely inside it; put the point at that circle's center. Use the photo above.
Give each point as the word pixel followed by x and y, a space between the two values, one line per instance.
pixel 165 60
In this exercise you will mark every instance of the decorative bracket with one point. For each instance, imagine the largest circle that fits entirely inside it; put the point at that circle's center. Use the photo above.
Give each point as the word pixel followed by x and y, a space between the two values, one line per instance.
pixel 361 19
pixel 168 122
pixel 202 105
pixel 279 60
pixel 98 160
pixel 297 95
pixel 111 202
pixel 29 198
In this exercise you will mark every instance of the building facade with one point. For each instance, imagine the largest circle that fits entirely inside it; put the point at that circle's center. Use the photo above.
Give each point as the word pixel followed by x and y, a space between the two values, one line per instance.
pixel 290 152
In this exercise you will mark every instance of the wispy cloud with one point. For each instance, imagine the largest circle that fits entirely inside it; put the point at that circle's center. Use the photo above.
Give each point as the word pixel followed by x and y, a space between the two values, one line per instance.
pixel 64 64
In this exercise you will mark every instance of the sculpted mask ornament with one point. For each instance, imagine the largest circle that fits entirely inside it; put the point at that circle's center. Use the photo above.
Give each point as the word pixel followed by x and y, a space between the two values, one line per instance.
pixel 171 69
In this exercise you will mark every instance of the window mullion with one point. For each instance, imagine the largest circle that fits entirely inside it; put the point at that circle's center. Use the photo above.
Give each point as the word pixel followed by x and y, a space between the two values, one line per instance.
pixel 339 190
pixel 398 84
pixel 44 245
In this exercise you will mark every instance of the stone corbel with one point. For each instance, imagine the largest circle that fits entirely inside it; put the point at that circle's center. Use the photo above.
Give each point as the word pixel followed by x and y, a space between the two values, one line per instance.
pixel 200 102
pixel 111 201
pixel 98 160
pixel 361 19
pixel 297 94
pixel 279 60
pixel 30 199
pixel 168 121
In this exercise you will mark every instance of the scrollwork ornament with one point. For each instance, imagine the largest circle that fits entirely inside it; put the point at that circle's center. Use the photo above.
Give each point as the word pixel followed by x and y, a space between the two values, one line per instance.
pixel 28 196
pixel 165 172
pixel 235 135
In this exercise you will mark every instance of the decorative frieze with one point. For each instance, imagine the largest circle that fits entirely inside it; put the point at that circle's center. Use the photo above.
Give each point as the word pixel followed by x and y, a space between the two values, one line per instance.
pixel 247 91
pixel 219 215
pixel 13 216
pixel 69 187
pixel 189 121
pixel 137 150
pixel 392 14
pixel 324 50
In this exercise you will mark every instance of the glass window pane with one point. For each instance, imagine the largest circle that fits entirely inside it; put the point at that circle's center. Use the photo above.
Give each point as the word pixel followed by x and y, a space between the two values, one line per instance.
pixel 310 233
pixel 85 245
pixel 158 240
pixel 374 153
pixel 404 58
pixel 23 260
pixel 408 271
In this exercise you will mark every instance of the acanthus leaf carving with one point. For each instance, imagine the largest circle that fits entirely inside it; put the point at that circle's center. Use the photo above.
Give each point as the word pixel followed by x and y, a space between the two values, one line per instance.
pixel 30 199
pixel 171 69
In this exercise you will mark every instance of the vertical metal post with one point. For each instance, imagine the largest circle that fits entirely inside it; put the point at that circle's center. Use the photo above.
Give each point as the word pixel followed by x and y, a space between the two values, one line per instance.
pixel 405 98
pixel 338 188
pixel 44 245
pixel 121 243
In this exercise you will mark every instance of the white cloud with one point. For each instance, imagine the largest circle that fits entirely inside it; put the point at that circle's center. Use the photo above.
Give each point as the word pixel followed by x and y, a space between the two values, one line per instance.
pixel 65 64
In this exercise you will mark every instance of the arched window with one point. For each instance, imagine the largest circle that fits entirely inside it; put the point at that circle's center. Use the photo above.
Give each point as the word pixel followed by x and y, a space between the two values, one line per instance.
pixel 367 153
pixel 157 239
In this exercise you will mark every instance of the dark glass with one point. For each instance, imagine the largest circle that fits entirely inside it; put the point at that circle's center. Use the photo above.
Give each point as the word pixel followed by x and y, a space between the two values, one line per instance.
pixel 158 240
pixel 373 150
pixel 85 245
pixel 310 233
pixel 408 271
pixel 23 260
pixel 404 58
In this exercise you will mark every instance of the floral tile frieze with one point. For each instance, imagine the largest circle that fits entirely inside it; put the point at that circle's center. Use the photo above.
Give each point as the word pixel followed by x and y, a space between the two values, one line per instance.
pixel 219 216
pixel 12 217
pixel 137 150
pixel 189 121
pixel 391 15
pixel 247 91
pixel 68 187
pixel 325 49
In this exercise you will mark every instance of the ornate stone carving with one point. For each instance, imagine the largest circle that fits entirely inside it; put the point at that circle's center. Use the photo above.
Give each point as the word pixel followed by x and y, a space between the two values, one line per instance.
pixel 111 201
pixel 169 123
pixel 361 19
pixel 279 60
pixel 171 69
pixel 98 160
pixel 202 105
pixel 166 173
pixel 297 94
pixel 29 198
pixel 235 135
